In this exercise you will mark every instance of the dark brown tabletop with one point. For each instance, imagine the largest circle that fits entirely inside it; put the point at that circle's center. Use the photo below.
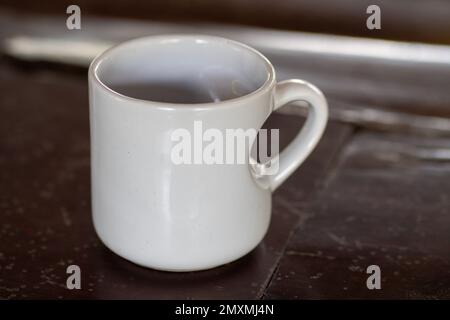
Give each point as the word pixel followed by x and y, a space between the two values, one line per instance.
pixel 366 196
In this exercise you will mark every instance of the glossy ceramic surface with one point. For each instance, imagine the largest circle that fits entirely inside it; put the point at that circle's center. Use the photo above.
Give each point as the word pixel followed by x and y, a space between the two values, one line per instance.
pixel 186 217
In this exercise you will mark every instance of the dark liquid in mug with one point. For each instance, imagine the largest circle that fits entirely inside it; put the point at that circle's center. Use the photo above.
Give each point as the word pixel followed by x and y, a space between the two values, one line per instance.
pixel 204 91
pixel 172 93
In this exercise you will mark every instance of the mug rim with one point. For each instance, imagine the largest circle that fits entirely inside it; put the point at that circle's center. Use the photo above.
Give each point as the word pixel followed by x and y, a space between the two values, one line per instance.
pixel 269 81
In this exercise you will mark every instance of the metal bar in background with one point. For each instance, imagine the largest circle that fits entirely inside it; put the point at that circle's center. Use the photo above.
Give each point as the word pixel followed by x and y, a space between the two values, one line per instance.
pixel 116 30
pixel 377 84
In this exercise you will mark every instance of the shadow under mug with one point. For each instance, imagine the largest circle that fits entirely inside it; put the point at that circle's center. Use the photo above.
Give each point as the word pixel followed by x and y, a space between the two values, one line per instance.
pixel 186 217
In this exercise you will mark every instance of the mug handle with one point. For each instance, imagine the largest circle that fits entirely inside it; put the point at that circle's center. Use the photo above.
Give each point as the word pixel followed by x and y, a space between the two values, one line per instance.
pixel 304 143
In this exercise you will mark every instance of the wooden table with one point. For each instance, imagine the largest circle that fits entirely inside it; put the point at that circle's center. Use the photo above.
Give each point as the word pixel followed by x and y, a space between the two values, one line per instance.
pixel 369 194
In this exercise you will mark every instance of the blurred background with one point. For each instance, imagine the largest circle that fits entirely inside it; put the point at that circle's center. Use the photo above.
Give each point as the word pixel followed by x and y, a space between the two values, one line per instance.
pixel 424 21
pixel 375 191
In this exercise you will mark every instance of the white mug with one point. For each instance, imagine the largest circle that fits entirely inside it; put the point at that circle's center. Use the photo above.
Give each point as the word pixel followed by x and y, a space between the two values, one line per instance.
pixel 173 217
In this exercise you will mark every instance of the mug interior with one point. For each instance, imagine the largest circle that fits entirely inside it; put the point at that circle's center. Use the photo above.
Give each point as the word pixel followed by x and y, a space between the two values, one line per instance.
pixel 183 69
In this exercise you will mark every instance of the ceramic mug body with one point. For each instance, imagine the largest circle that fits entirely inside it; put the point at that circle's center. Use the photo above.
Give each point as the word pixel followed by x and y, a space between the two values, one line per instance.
pixel 185 217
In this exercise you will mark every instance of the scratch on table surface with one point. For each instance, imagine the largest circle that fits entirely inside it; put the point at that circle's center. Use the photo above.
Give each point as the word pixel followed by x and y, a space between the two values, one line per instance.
pixel 355 268
pixel 287 204
pixel 383 248
pixel 66 217
pixel 339 240
pixel 318 254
